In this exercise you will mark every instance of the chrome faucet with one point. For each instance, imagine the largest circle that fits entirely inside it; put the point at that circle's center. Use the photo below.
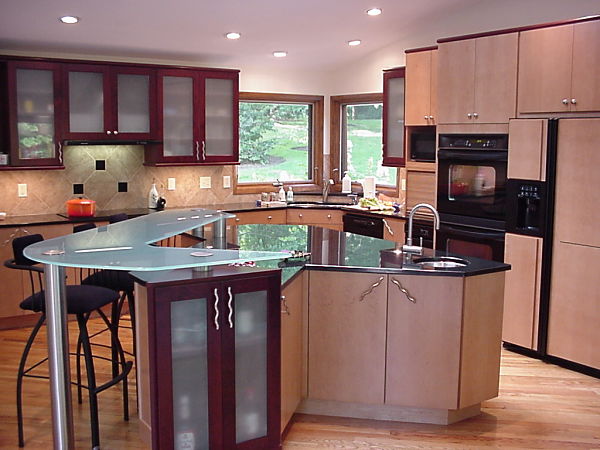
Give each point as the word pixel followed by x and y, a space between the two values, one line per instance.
pixel 409 247
pixel 326 185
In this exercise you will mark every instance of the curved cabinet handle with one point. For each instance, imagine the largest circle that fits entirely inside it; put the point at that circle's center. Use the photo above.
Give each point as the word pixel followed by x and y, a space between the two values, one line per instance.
pixel 60 153
pixel 230 307
pixel 286 309
pixel 197 151
pixel 387 226
pixel 404 290
pixel 203 150
pixel 216 308
pixel 368 291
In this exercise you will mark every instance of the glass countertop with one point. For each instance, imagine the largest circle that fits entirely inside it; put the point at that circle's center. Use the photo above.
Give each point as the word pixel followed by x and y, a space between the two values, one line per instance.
pixel 127 245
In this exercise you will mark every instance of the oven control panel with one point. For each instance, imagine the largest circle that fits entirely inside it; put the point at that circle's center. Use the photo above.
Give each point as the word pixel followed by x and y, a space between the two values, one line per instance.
pixel 475 142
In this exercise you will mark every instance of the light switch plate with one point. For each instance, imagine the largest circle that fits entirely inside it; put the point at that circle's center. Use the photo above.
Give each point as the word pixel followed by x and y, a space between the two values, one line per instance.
pixel 226 181
pixel 22 190
pixel 403 184
pixel 204 182
pixel 171 184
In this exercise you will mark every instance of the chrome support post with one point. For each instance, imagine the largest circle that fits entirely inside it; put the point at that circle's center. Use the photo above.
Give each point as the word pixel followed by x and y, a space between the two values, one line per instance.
pixel 58 357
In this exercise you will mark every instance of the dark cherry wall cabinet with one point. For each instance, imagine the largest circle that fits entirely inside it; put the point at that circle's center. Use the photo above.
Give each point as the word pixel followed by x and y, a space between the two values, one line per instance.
pixel 215 362
pixel 32 113
pixel 198 117
pixel 393 118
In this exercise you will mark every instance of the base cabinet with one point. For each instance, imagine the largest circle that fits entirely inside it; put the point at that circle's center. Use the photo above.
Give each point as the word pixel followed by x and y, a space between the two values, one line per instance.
pixel 213 363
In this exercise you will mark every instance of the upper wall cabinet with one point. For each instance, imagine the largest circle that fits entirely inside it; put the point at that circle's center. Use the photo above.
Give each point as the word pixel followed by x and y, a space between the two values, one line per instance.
pixel 393 117
pixel 109 102
pixel 559 69
pixel 477 80
pixel 197 117
pixel 34 105
pixel 421 87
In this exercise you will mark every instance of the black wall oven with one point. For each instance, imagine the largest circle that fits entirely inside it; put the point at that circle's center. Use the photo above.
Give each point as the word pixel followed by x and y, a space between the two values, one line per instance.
pixel 471 197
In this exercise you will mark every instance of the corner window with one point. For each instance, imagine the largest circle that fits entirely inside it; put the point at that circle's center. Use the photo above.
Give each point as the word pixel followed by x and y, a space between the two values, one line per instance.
pixel 357 132
pixel 279 140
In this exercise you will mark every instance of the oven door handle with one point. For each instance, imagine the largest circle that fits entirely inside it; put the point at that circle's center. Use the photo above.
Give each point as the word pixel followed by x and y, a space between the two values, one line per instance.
pixel 472 155
pixel 475 234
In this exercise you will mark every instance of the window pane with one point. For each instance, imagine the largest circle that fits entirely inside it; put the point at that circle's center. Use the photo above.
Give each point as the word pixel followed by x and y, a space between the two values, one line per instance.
pixel 275 142
pixel 361 143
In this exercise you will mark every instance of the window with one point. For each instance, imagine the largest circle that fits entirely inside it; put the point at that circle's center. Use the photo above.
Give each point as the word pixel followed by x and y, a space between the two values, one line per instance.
pixel 280 139
pixel 356 138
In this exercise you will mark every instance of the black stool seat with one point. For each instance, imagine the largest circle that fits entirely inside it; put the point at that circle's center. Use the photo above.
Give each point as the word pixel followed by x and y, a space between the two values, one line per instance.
pixel 80 299
pixel 117 280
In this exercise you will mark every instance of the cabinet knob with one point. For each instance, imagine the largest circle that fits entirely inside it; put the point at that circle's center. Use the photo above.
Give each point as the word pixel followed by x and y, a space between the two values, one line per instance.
pixel 469 115
pixel 299 215
pixel 426 117
pixel 329 216
pixel 574 101
pixel 237 219
pixel 115 132
pixel 269 217
pixel 475 115
pixel 565 101
pixel 430 117
pixel 109 132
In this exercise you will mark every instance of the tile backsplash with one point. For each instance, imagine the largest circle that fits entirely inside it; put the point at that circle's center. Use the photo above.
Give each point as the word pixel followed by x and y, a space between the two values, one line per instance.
pixel 48 190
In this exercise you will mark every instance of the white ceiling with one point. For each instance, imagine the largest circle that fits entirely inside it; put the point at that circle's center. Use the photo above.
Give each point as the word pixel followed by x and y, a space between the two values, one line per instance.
pixel 314 32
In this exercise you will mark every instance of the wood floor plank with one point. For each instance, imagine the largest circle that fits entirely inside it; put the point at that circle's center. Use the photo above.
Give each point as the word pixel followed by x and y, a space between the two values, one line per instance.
pixel 540 406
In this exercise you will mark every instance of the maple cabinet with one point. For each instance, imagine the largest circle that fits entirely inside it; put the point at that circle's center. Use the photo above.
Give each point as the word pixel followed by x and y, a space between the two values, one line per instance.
pixel 477 80
pixel 34 113
pixel 197 117
pixel 527 149
pixel 420 186
pixel 559 69
pixel 328 218
pixel 393 118
pixel 106 102
pixel 209 360
pixel 421 87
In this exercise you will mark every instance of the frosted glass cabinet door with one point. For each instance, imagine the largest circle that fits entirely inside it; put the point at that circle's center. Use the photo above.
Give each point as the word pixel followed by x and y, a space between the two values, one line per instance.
pixel 220 113
pixel 86 102
pixel 179 139
pixel 33 89
pixel 133 103
pixel 393 122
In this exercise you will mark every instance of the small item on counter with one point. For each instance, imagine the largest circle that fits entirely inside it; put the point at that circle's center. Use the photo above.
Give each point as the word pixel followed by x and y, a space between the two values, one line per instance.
pixel 290 195
pixel 153 196
pixel 2 215
pixel 81 207
pixel 346 183
pixel 281 194
pixel 273 197
pixel 264 197
pixel 258 202
pixel 3 159
pixel 160 203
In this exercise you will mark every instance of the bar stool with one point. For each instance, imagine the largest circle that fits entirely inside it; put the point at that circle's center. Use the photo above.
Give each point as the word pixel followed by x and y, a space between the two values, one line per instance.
pixel 82 301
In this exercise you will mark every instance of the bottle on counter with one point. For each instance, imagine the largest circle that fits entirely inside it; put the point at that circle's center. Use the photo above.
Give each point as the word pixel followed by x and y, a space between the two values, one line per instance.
pixel 346 183
pixel 153 196
pixel 290 195
pixel 281 194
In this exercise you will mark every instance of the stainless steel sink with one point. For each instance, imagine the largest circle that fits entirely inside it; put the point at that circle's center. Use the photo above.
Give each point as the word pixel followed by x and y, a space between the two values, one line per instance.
pixel 440 262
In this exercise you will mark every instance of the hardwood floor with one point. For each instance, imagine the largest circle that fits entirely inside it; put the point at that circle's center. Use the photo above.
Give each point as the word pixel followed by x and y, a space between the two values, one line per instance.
pixel 540 406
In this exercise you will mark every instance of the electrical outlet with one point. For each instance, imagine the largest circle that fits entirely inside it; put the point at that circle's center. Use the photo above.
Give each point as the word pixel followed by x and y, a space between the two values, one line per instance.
pixel 403 184
pixel 171 184
pixel 204 182
pixel 226 181
pixel 22 190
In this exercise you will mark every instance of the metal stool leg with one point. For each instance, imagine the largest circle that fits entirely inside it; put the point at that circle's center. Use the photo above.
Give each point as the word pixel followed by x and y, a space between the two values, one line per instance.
pixel 91 380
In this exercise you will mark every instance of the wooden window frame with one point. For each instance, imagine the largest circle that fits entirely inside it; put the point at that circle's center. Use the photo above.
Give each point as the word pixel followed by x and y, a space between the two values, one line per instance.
pixel 317 102
pixel 335 134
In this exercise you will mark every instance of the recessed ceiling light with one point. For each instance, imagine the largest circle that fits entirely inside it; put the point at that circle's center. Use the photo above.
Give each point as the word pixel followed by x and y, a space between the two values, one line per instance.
pixel 279 54
pixel 374 11
pixel 233 35
pixel 69 19
pixel 354 42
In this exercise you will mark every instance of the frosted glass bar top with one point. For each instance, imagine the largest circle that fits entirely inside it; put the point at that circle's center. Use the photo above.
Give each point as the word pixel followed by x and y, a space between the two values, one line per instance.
pixel 126 245
pixel 86 102
pixel 133 103
pixel 35 113
pixel 178 116
pixel 219 117
pixel 395 145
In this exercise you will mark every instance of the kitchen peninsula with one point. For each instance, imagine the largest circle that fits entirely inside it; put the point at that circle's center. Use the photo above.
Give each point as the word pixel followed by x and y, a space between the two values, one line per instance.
pixel 363 334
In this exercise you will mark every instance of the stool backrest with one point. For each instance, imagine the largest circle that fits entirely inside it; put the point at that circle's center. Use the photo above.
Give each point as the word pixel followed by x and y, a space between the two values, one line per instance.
pixel 83 227
pixel 118 218
pixel 19 245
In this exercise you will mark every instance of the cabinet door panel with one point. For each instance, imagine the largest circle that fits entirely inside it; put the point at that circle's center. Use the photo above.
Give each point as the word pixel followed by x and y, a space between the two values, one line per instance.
pixel 573 331
pixel 133 103
pixel 522 289
pixel 178 122
pixel 220 113
pixel 393 118
pixel 423 341
pixel 527 149
pixel 545 69
pixel 585 84
pixel 577 181
pixel 346 349
pixel 433 88
pixel 420 188
pixel 495 78
pixel 456 78
pixel 418 82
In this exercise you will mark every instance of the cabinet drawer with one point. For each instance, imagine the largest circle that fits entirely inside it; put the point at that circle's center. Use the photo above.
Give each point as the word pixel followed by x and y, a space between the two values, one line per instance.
pixel 330 218
pixel 276 216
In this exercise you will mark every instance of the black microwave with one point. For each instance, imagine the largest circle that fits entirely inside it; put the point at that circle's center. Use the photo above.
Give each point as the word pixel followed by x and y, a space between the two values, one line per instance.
pixel 422 146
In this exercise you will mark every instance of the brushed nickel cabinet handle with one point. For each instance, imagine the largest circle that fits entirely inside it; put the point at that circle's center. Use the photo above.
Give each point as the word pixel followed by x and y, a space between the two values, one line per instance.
pixel 286 309
pixel 329 216
pixel 203 150
pixel 387 226
pixel 469 115
pixel 430 117
pixel 60 153
pixel 426 117
pixel 565 101
pixel 475 115
pixel 115 132
pixel 216 308
pixel 197 151
pixel 370 289
pixel 404 290
pixel 237 219
pixel 299 215
pixel 108 132
pixel 574 101
pixel 230 307
pixel 269 217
